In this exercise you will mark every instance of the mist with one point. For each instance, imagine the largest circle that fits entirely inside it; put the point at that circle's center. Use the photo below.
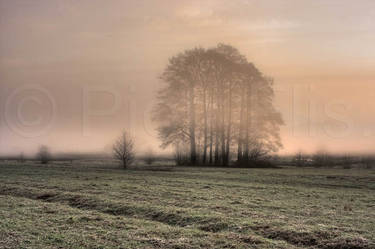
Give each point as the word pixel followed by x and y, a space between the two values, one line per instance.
pixel 73 74
pixel 187 124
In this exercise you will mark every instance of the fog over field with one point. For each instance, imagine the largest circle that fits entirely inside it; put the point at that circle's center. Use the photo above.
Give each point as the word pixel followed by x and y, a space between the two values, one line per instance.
pixel 187 124
pixel 73 74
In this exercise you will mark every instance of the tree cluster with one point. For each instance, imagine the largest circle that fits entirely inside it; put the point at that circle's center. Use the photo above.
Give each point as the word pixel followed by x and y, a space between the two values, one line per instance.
pixel 216 106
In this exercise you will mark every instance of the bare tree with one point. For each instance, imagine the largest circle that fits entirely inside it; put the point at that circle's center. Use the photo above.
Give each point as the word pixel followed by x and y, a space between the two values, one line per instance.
pixel 44 155
pixel 123 149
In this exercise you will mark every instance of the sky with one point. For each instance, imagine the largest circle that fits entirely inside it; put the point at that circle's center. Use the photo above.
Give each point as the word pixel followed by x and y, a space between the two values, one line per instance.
pixel 73 74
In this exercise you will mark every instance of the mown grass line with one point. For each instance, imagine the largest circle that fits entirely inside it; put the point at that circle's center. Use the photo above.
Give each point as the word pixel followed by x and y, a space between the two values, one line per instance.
pixel 176 217
pixel 314 239
pixel 167 216
pixel 38 224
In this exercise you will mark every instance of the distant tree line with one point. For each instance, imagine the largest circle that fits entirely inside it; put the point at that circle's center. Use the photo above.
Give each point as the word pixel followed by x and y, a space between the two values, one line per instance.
pixel 215 106
pixel 323 159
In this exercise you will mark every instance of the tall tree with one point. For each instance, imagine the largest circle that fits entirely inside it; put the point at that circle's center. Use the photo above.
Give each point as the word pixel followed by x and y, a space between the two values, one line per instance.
pixel 215 102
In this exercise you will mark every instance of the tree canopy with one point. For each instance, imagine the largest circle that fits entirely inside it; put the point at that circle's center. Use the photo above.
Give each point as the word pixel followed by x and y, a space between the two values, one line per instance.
pixel 214 105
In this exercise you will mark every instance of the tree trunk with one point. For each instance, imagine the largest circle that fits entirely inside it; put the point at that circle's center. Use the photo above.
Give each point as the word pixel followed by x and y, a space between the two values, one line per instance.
pixel 205 127
pixel 227 154
pixel 211 126
pixel 222 131
pixel 193 153
pixel 217 130
pixel 240 131
pixel 248 120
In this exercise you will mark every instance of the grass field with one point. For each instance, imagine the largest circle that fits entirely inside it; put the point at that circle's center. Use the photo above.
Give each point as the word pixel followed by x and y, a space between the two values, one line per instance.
pixel 88 205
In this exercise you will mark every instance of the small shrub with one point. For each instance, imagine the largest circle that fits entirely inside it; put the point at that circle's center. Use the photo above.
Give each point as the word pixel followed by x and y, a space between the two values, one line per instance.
pixel 44 156
pixel 300 160
pixel 21 158
pixel 149 157
pixel 322 159
pixel 368 162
